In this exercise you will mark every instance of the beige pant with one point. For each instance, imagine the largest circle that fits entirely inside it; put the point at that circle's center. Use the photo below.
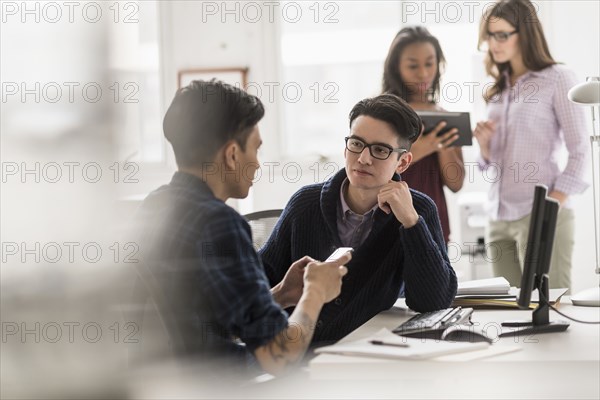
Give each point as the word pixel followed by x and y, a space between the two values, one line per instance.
pixel 506 244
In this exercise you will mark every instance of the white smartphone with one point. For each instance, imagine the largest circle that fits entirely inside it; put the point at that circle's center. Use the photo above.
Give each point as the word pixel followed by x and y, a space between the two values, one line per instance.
pixel 340 251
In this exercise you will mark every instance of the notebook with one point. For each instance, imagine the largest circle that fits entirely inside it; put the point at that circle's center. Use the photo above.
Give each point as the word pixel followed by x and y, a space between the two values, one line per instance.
pixel 506 301
pixel 491 286
pixel 400 348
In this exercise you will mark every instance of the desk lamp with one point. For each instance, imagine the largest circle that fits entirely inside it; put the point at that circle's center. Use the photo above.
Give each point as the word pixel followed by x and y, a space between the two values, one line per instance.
pixel 588 94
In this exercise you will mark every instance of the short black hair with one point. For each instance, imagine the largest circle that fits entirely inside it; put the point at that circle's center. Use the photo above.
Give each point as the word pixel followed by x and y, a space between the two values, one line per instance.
pixel 393 110
pixel 207 114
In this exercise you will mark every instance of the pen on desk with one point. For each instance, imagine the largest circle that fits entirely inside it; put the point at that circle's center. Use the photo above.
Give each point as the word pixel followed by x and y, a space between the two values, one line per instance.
pixel 381 343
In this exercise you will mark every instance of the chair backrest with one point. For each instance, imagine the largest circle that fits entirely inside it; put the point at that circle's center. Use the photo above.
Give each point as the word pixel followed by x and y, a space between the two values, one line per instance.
pixel 147 290
pixel 262 224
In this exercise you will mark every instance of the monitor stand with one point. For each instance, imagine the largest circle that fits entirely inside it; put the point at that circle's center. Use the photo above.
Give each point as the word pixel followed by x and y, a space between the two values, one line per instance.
pixel 540 321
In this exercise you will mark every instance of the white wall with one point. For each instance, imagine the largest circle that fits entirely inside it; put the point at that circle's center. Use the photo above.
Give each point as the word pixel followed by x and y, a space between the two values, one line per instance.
pixel 194 39
pixel 188 42
pixel 573 32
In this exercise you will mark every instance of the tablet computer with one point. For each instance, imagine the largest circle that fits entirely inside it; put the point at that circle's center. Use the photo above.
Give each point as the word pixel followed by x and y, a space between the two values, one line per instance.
pixel 459 120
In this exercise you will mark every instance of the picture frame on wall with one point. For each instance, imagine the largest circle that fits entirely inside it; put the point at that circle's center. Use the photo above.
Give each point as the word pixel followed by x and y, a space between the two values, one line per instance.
pixel 236 76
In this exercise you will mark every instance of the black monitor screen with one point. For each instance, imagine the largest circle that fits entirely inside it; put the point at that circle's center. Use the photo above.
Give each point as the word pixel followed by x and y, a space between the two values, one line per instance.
pixel 539 242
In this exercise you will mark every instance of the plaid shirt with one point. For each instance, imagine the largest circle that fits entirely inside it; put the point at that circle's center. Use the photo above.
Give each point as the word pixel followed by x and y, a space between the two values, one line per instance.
pixel 534 120
pixel 201 251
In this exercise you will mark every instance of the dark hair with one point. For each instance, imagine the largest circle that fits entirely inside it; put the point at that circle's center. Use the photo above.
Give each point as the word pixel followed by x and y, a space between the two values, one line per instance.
pixel 534 48
pixel 392 80
pixel 205 115
pixel 393 110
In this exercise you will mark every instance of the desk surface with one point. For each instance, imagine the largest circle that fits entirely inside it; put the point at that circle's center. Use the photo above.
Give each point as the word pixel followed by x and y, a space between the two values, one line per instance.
pixel 550 366
pixel 554 365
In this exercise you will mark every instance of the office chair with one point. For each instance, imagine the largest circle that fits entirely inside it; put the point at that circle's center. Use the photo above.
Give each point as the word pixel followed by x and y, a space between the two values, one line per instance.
pixel 262 224
pixel 148 305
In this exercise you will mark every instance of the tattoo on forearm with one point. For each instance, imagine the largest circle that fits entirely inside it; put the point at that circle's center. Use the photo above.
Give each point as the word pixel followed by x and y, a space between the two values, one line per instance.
pixel 290 345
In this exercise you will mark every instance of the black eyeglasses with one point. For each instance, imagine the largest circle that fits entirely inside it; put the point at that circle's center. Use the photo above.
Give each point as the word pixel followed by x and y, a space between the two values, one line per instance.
pixel 500 36
pixel 378 151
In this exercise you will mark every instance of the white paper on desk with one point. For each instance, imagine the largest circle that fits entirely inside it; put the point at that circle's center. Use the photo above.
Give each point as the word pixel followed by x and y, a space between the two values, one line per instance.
pixel 498 285
pixel 418 349
pixel 478 354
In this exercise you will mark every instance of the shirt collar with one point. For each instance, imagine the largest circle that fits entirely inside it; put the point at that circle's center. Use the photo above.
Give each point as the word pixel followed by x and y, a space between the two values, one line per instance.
pixel 191 181
pixel 345 207
pixel 532 74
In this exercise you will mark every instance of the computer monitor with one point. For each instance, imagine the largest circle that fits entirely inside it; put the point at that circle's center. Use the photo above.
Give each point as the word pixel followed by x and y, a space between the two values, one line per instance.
pixel 536 267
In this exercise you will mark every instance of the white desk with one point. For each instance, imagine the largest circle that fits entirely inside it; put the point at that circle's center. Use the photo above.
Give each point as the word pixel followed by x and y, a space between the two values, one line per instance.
pixel 564 365
pixel 555 365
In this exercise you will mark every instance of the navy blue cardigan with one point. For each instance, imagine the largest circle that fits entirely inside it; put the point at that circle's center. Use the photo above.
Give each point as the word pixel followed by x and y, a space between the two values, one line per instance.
pixel 389 256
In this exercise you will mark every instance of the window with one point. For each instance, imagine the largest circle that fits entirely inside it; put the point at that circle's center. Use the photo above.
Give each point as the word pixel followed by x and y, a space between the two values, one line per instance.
pixel 456 26
pixel 336 58
pixel 134 66
pixel 333 57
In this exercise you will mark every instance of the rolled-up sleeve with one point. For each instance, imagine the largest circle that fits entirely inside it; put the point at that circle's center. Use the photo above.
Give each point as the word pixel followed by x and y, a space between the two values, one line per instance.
pixel 571 119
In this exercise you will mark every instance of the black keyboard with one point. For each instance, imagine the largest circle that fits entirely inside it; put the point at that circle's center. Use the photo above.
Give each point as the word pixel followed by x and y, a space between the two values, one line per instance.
pixel 429 321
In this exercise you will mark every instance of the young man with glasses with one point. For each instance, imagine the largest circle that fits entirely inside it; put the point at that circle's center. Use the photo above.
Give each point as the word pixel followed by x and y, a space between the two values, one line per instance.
pixel 395 231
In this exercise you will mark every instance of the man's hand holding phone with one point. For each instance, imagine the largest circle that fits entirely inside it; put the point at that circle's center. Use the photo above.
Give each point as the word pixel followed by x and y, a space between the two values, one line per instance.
pixel 340 251
pixel 324 279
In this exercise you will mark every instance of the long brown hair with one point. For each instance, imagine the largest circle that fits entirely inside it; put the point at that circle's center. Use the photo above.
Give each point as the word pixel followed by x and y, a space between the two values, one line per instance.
pixel 534 48
pixel 392 81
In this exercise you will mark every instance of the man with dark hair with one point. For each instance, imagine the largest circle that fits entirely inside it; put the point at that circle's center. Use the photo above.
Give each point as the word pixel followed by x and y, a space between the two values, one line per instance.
pixel 395 231
pixel 200 250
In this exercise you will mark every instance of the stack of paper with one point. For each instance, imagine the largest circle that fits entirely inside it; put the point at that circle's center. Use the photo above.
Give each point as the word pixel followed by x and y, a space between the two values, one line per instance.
pixel 492 286
pixel 505 301
pixel 396 347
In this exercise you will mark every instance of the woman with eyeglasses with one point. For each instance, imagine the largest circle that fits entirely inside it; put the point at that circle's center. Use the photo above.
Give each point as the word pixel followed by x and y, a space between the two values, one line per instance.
pixel 530 121
pixel 412 71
